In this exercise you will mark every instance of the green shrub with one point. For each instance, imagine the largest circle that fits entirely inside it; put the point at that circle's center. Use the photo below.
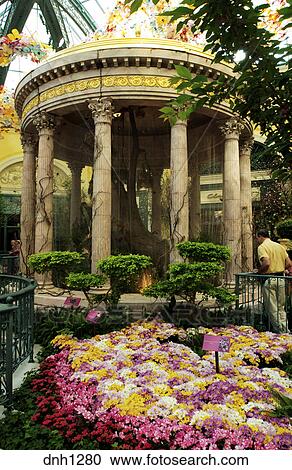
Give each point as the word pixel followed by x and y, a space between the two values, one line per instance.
pixel 284 229
pixel 19 431
pixel 284 405
pixel 52 321
pixel 84 282
pixel 202 251
pixel 59 262
pixel 185 280
pixel 123 272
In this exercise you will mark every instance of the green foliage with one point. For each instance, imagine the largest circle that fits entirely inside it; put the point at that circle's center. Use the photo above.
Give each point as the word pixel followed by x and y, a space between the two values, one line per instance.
pixel 185 280
pixel 284 404
pixel 59 262
pixel 53 321
pixel 196 251
pixel 194 340
pixel 222 295
pixel 85 282
pixel 286 363
pixel 275 205
pixel 18 431
pixel 123 272
pixel 260 88
pixel 44 262
pixel 284 228
pixel 124 266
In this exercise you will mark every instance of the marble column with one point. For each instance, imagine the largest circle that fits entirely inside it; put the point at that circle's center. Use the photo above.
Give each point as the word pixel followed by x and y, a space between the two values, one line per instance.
pixel 102 110
pixel 231 129
pixel 28 195
pixel 179 208
pixel 75 201
pixel 195 198
pixel 246 205
pixel 45 124
pixel 156 203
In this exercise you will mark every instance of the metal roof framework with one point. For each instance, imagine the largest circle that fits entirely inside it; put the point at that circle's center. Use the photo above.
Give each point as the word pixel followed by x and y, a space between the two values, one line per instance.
pixel 59 17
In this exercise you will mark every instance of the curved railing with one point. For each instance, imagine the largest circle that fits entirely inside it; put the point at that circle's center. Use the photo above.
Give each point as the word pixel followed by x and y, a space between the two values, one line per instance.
pixel 254 301
pixel 16 328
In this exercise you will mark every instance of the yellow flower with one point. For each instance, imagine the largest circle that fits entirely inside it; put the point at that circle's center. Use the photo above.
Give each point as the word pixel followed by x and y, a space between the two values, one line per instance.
pixel 14 35
pixel 162 20
pixel 163 390
pixel 133 405
pixel 110 403
pixel 116 387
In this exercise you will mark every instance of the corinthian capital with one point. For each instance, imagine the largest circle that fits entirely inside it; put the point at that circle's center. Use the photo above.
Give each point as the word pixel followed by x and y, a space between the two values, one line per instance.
pixel 44 120
pixel 28 140
pixel 246 145
pixel 232 128
pixel 102 110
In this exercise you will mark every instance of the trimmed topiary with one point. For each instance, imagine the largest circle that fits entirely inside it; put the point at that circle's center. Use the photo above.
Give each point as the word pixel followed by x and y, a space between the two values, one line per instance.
pixel 59 262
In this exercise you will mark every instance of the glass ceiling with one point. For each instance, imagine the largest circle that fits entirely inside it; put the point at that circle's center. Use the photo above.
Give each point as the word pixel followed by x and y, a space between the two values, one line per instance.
pixel 34 26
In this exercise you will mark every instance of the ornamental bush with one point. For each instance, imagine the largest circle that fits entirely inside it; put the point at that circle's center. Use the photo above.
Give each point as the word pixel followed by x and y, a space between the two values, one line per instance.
pixel 199 275
pixel 59 262
pixel 123 272
pixel 203 251
pixel 85 282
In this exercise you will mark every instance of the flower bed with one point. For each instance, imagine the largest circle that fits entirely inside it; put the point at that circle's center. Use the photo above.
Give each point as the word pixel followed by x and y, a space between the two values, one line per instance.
pixel 134 389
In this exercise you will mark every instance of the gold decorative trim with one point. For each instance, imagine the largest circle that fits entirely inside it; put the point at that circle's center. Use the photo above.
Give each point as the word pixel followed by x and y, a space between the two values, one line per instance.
pixel 92 83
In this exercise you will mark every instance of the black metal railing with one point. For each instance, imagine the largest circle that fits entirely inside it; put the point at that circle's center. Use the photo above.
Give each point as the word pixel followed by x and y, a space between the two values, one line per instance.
pixel 265 301
pixel 16 328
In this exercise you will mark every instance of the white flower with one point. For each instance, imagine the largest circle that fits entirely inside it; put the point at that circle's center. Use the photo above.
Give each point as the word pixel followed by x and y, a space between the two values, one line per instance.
pixel 168 402
pixel 259 405
pixel 199 417
pixel 261 426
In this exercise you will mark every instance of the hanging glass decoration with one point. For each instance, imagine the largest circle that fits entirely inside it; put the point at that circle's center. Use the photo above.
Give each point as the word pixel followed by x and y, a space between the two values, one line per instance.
pixel 8 117
pixel 18 44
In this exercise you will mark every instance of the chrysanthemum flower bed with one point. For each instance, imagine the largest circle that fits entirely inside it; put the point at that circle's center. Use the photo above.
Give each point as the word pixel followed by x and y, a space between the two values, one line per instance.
pixel 133 389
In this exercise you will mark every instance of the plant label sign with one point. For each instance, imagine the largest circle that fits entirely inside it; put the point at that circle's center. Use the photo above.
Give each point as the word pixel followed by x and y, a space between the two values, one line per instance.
pixel 94 316
pixel 72 302
pixel 216 343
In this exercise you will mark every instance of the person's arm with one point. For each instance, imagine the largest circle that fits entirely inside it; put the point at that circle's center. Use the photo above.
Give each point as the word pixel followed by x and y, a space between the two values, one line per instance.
pixel 265 263
pixel 288 263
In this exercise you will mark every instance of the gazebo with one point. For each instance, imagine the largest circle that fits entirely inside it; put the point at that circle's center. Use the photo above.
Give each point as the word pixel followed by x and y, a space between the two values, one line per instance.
pixel 98 104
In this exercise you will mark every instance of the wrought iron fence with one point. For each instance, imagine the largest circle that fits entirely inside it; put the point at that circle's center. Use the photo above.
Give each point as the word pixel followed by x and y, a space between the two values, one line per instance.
pixel 16 328
pixel 265 301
